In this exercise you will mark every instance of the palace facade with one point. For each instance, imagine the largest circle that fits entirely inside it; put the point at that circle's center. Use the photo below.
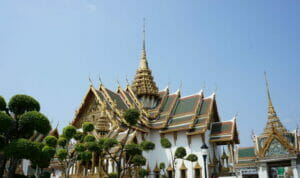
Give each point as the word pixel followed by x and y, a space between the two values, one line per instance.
pixel 187 121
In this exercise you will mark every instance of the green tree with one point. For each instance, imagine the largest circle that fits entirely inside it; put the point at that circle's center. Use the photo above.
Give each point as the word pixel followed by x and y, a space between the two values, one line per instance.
pixel 180 153
pixel 20 120
pixel 129 155
pixel 76 145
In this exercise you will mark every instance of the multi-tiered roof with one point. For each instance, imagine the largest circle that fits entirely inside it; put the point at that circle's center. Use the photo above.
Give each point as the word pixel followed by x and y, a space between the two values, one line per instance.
pixel 160 110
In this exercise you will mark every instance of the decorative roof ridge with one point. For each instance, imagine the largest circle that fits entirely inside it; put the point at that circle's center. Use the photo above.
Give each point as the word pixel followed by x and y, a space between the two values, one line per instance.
pixel 213 95
pixel 124 97
pixel 195 94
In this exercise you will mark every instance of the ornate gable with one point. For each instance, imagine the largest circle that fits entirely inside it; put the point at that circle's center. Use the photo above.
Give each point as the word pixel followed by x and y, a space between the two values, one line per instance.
pixel 276 149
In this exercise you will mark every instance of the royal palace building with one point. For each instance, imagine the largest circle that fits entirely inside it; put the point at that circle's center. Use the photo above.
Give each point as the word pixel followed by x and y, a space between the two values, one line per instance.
pixel 187 121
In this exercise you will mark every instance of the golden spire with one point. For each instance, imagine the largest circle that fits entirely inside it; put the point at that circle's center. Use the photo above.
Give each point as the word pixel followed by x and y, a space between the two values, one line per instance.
pixel 273 121
pixel 271 109
pixel 143 84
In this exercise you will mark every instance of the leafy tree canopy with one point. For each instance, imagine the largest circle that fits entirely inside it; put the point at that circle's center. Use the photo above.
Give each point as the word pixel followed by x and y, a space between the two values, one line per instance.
pixel 162 166
pixel 33 120
pixel 80 147
pixel 143 172
pixel 62 154
pixel 92 146
pixel 165 143
pixel 78 136
pixel 109 143
pixel 62 141
pixel 2 104
pixel 87 127
pixel 192 157
pixel 147 145
pixel 133 149
pixel 49 151
pixel 69 132
pixel 6 122
pixel 89 138
pixel 180 152
pixel 20 104
pixel 21 149
pixel 131 116
pixel 85 156
pixel 138 160
pixel 50 141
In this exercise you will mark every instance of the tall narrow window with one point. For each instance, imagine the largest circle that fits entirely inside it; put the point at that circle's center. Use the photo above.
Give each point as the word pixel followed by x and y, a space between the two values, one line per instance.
pixel 183 173
pixel 156 174
pixel 170 173
pixel 197 173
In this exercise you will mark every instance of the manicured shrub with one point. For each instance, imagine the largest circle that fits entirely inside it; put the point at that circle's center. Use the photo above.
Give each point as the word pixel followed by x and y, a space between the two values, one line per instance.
pixel 78 136
pixel 20 104
pixel 69 132
pixel 143 172
pixel 80 147
pixel 192 158
pixel 50 151
pixel 87 127
pixel 131 116
pixel 147 145
pixel 180 152
pixel 92 146
pixel 138 160
pixel 165 143
pixel 89 138
pixel 133 149
pixel 62 141
pixel 62 154
pixel 2 104
pixel 6 122
pixel 21 149
pixel 109 143
pixel 50 141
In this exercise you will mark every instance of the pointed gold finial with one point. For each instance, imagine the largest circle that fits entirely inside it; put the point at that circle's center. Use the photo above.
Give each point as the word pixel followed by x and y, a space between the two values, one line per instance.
pixel 90 80
pixel 143 83
pixel 144 62
pixel 99 78
pixel 271 109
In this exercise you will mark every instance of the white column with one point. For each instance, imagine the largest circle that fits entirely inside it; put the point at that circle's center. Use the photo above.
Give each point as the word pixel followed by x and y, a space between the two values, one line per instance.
pixel 263 170
pixel 294 168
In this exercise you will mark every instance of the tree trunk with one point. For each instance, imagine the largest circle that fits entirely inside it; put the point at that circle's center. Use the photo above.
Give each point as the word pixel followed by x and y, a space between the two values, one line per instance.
pixel 12 167
pixel 3 161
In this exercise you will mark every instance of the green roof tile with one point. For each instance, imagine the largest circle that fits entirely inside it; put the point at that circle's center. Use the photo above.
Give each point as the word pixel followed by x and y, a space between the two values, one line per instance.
pixel 168 102
pixel 186 105
pixel 246 152
pixel 118 99
pixel 204 106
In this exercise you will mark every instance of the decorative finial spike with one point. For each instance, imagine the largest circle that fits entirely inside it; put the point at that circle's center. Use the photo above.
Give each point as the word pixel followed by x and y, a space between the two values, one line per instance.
pixel 271 109
pixel 127 82
pixel 119 85
pixel 91 83
pixel 144 33
pixel 99 78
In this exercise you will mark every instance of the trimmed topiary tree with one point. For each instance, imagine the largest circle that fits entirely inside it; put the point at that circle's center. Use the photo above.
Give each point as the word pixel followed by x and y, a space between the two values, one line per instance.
pixel 129 155
pixel 19 121
pixel 180 153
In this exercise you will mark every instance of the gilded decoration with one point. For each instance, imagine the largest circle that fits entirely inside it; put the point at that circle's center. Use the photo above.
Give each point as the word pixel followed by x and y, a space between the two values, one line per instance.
pixel 276 149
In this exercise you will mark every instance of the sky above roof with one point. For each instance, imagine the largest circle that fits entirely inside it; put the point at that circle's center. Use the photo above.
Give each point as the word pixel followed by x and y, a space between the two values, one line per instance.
pixel 49 49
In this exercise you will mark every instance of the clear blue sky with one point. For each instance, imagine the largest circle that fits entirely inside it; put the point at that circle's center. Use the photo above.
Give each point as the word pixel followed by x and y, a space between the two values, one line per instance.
pixel 48 49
